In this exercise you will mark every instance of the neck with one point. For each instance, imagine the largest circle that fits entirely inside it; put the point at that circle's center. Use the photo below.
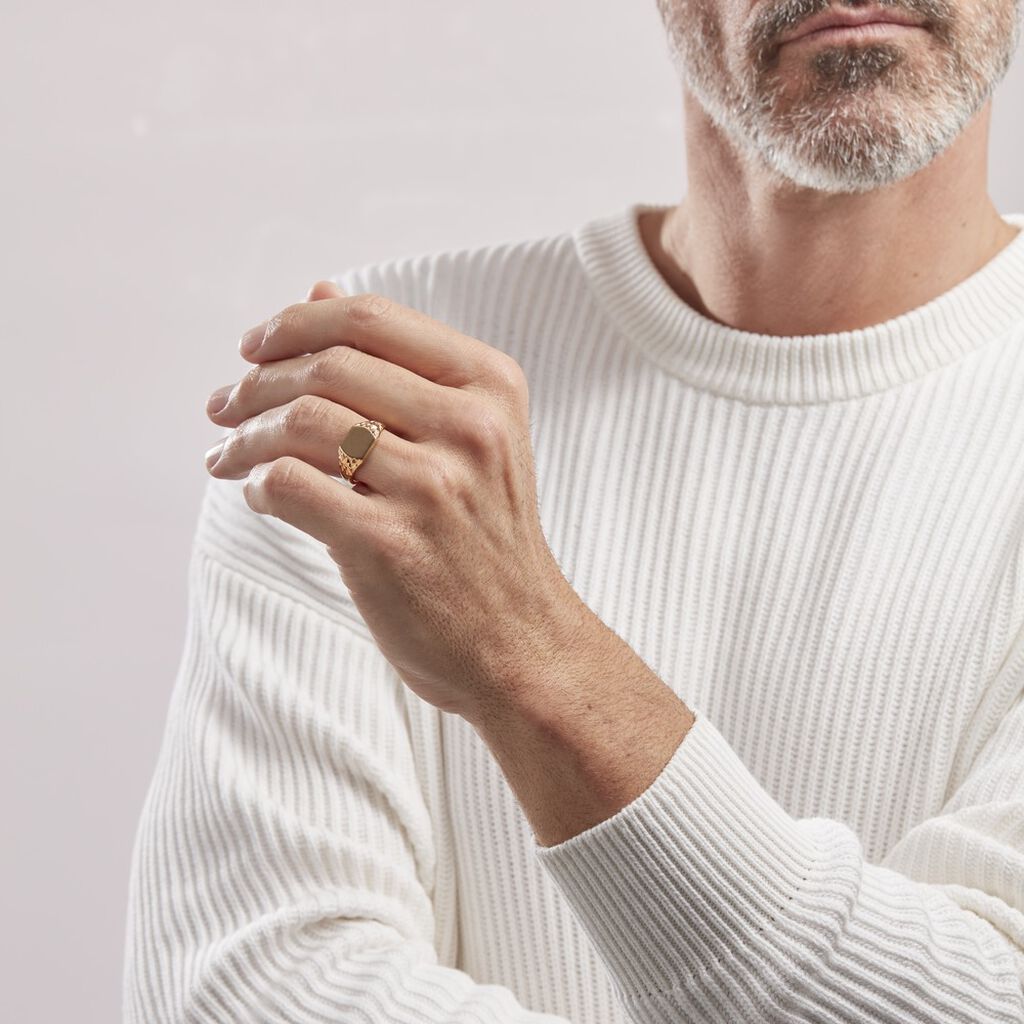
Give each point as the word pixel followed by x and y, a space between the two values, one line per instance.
pixel 748 251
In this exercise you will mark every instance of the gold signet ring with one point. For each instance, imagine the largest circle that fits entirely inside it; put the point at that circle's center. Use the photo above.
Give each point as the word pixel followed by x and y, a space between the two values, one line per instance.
pixel 356 446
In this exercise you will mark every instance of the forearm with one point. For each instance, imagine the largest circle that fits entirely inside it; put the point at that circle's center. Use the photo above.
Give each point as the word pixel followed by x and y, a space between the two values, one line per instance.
pixel 587 726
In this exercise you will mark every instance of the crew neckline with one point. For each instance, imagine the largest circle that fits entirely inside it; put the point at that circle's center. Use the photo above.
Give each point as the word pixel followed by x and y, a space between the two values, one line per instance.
pixel 794 369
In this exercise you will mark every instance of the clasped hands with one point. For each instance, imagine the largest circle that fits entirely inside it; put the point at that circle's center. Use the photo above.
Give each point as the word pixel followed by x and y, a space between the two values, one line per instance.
pixel 439 541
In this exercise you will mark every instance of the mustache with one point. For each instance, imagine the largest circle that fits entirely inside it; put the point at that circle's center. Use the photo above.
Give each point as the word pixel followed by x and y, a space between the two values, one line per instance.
pixel 775 18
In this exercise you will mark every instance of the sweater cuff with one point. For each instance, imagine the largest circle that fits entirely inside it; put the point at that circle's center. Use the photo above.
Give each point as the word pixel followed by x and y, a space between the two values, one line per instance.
pixel 705 880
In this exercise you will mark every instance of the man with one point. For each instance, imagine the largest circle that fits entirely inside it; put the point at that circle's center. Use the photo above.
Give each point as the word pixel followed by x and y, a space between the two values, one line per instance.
pixel 665 659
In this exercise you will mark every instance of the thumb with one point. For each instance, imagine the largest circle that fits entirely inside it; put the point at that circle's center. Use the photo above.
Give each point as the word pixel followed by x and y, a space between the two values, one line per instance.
pixel 324 290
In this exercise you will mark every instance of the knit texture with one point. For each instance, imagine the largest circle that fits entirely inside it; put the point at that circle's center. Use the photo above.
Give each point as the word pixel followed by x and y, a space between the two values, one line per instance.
pixel 816 541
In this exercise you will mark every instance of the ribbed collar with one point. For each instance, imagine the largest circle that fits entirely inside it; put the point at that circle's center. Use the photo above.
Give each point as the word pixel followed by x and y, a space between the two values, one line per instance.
pixel 796 369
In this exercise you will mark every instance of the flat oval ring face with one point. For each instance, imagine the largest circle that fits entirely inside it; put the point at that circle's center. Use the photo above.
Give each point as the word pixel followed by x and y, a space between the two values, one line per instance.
pixel 357 442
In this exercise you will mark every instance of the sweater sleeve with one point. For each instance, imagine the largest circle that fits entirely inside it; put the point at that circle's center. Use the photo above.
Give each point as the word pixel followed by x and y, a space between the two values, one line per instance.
pixel 284 864
pixel 707 901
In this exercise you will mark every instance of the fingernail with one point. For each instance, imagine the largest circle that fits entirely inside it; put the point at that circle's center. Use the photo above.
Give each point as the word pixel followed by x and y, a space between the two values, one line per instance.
pixel 218 400
pixel 213 455
pixel 252 339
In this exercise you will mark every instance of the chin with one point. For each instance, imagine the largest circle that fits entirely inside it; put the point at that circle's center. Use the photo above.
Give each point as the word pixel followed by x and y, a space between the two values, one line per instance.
pixel 856 147
pixel 851 119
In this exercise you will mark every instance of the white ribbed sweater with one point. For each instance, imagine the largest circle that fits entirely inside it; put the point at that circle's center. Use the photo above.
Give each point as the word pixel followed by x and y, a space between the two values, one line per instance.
pixel 817 541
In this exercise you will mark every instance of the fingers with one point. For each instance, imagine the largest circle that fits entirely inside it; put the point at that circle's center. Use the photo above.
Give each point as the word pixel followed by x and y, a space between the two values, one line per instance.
pixel 382 328
pixel 311 428
pixel 406 403
pixel 325 508
pixel 323 290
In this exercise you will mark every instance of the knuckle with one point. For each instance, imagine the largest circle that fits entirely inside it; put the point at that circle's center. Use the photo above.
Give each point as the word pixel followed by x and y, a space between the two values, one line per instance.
pixel 286 321
pixel 304 416
pixel 248 384
pixel 369 308
pixel 485 429
pixel 441 478
pixel 510 374
pixel 279 477
pixel 331 364
pixel 232 443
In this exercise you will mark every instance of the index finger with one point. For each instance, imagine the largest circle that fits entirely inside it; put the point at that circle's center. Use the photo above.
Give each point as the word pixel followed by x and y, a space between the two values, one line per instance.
pixel 379 326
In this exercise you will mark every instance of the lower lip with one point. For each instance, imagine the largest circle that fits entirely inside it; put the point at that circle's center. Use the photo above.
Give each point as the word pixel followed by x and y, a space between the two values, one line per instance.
pixel 865 33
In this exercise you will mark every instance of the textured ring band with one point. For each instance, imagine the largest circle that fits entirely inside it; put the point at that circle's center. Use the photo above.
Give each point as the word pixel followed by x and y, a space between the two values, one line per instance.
pixel 356 446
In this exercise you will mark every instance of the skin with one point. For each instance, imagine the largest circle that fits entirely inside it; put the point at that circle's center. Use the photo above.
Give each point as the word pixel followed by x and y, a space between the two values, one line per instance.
pixel 440 546
pixel 439 541
pixel 832 264
pixel 749 248
pixel 832 185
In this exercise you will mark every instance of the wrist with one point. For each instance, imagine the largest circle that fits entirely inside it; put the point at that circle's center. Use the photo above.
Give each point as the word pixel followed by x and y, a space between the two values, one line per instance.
pixel 585 732
pixel 527 667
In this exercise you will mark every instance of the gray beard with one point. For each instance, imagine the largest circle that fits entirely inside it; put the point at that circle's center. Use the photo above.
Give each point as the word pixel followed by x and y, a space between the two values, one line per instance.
pixel 866 116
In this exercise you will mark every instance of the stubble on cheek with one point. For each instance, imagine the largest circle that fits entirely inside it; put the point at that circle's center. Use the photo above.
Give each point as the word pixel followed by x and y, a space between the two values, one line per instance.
pixel 698 48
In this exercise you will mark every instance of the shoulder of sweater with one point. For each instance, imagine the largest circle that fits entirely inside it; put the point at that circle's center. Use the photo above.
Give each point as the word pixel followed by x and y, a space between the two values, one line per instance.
pixel 468 285
pixel 288 567
pixel 460 286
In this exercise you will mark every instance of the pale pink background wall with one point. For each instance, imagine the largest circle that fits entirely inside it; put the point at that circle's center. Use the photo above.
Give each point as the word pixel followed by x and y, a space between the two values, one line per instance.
pixel 172 174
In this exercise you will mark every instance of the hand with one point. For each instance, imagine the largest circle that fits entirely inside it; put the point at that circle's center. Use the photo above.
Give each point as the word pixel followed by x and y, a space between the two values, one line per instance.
pixel 439 542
